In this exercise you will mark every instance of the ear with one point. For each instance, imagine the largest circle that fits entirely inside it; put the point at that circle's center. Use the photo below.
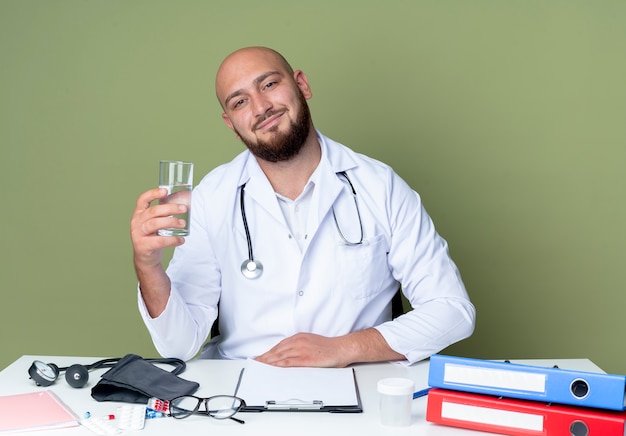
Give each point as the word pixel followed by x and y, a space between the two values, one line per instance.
pixel 227 121
pixel 229 124
pixel 303 83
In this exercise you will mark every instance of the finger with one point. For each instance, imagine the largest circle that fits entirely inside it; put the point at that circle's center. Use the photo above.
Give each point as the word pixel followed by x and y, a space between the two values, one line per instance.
pixel 151 226
pixel 143 204
pixel 276 361
pixel 284 354
pixel 146 198
pixel 271 356
pixel 146 222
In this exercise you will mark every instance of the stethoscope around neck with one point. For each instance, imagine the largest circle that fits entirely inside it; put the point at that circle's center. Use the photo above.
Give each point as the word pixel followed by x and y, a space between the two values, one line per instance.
pixel 251 268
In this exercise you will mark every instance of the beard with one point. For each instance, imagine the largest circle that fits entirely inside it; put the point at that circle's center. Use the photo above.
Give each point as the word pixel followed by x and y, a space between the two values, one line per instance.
pixel 284 145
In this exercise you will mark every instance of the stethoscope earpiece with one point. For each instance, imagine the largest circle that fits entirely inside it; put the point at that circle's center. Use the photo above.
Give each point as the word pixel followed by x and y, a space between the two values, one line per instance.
pixel 251 269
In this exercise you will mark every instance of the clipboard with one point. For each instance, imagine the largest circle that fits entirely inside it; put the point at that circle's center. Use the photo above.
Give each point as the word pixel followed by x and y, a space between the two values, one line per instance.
pixel 267 388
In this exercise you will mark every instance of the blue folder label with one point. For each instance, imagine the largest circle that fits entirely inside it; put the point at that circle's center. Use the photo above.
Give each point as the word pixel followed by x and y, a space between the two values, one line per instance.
pixel 494 378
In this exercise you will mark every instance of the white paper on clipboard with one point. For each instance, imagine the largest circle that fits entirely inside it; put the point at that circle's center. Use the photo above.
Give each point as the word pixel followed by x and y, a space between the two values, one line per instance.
pixel 261 384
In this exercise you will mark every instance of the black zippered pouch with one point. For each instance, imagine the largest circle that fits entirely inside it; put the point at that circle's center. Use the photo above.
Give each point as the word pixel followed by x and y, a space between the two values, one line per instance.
pixel 134 379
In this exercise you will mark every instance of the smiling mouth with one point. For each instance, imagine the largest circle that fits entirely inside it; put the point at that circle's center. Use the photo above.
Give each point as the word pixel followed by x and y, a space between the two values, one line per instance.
pixel 268 120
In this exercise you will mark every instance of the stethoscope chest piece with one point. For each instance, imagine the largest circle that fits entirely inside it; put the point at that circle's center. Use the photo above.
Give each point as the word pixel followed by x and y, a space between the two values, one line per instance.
pixel 251 269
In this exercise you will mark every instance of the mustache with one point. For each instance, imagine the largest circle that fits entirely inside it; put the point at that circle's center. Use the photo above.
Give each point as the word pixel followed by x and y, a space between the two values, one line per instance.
pixel 267 115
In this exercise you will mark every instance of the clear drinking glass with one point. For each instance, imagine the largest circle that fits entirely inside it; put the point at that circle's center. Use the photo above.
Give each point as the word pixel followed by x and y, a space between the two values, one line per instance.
pixel 177 178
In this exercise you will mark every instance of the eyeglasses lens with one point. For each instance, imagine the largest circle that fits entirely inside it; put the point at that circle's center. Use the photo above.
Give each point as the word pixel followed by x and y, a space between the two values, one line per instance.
pixel 182 407
pixel 223 407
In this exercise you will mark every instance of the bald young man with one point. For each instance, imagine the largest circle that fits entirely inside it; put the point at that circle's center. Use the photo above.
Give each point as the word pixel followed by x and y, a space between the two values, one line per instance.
pixel 337 233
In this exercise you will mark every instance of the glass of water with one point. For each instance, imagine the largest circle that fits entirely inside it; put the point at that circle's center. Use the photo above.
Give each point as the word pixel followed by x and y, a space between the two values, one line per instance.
pixel 177 178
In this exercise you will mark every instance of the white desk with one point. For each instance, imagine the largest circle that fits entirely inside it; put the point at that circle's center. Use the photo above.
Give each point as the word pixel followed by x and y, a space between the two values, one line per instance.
pixel 220 377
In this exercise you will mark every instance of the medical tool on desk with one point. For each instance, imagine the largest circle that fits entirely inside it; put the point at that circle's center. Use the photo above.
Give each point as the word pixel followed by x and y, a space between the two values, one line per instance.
pixel 251 268
pixel 77 375
pixel 45 374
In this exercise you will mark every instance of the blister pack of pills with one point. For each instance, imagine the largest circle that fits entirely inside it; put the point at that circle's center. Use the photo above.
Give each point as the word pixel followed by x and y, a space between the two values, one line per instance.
pixel 158 405
pixel 100 426
pixel 131 417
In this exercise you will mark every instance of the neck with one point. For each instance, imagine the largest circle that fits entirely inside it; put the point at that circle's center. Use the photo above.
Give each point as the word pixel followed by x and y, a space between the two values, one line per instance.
pixel 288 178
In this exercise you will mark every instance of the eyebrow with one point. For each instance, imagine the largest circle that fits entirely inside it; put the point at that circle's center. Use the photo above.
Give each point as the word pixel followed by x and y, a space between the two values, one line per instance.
pixel 256 82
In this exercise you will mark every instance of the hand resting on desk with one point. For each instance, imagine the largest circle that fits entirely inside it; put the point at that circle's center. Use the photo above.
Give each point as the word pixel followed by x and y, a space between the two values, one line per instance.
pixel 307 349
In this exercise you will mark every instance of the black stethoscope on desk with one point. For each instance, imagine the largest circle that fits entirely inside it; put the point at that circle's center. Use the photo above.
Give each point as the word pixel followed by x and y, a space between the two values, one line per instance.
pixel 252 268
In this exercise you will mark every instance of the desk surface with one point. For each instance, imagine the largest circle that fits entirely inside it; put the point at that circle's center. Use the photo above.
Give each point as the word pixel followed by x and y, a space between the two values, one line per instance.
pixel 220 377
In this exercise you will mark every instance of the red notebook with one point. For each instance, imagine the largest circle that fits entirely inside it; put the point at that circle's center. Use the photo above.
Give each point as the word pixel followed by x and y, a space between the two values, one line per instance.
pixel 34 411
pixel 520 417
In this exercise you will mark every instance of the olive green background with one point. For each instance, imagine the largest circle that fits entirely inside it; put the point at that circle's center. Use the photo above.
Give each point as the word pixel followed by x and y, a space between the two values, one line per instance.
pixel 507 116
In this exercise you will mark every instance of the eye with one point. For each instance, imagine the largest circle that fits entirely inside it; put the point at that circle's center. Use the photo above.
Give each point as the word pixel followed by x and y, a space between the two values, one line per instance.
pixel 238 103
pixel 270 85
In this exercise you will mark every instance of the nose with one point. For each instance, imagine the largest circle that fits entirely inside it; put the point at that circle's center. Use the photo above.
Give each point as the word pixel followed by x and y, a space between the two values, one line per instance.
pixel 261 105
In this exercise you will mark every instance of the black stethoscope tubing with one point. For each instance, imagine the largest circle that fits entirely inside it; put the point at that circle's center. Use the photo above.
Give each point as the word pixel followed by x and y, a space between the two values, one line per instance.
pixel 358 213
pixel 252 268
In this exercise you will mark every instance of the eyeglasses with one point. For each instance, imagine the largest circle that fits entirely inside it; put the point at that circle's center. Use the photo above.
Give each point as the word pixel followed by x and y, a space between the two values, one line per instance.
pixel 218 407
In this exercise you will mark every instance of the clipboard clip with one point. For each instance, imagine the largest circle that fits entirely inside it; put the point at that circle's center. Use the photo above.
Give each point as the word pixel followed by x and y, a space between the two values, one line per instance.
pixel 294 404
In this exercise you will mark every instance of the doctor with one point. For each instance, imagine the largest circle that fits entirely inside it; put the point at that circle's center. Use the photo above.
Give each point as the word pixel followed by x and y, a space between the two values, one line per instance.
pixel 299 242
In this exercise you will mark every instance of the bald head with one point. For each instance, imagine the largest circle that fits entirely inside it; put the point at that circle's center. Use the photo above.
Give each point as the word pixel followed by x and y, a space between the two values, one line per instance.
pixel 243 61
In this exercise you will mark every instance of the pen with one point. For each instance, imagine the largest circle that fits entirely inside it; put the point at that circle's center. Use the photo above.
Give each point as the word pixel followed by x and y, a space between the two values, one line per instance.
pixel 421 393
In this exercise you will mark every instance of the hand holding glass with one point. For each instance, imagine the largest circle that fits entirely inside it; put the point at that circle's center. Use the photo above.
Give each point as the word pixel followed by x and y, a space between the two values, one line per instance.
pixel 177 178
